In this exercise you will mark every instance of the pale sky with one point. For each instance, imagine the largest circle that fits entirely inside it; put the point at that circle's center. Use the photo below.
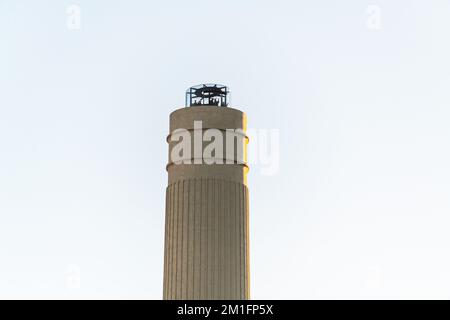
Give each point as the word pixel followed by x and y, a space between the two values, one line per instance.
pixel 358 208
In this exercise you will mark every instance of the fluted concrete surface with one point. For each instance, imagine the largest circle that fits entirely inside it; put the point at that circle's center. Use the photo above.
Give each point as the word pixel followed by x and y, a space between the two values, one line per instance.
pixel 206 232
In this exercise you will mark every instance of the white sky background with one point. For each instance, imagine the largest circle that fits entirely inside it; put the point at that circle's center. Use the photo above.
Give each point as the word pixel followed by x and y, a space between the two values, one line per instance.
pixel 360 205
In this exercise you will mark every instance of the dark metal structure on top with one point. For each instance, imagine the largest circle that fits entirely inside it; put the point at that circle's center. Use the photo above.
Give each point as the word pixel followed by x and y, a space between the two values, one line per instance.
pixel 208 95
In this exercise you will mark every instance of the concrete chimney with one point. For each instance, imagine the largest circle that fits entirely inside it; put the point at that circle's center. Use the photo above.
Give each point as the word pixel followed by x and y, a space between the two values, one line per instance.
pixel 206 253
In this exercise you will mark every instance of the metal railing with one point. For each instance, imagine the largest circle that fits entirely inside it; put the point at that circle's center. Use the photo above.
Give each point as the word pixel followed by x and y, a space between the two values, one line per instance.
pixel 207 95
